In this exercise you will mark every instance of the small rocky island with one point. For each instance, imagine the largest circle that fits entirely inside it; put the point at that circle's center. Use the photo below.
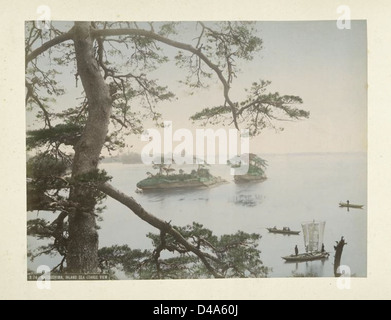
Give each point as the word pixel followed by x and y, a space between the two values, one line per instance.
pixel 167 179
pixel 256 171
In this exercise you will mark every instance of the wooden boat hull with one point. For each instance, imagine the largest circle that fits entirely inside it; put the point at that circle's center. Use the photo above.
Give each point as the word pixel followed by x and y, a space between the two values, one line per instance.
pixel 271 230
pixel 304 257
pixel 353 206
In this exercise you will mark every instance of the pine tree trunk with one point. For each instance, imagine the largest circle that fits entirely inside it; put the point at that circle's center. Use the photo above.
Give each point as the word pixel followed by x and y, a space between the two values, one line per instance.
pixel 83 244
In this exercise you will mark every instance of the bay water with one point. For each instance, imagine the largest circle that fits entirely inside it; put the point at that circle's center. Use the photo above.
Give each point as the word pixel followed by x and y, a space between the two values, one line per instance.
pixel 299 188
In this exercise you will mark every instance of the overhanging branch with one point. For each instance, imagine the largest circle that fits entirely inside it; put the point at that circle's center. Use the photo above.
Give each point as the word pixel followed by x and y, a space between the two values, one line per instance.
pixel 156 222
pixel 175 44
pixel 47 45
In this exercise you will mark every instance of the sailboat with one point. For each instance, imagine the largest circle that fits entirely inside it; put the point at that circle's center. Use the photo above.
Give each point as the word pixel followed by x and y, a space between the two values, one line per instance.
pixel 313 240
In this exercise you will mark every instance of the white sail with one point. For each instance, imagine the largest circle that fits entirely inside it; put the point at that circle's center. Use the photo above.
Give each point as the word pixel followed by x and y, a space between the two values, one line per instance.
pixel 313 235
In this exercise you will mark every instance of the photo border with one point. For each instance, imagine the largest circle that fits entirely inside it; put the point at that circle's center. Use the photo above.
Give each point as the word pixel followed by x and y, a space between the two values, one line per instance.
pixel 13 266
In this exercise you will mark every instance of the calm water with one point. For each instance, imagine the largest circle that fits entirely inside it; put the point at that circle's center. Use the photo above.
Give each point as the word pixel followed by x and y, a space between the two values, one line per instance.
pixel 299 188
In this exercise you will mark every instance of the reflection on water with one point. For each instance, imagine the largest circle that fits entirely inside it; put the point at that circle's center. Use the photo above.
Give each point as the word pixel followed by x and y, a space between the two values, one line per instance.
pixel 299 188
pixel 176 195
pixel 247 200
pixel 311 270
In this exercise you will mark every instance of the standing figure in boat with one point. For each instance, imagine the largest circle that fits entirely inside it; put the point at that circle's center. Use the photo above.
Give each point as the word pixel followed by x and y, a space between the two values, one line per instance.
pixel 313 241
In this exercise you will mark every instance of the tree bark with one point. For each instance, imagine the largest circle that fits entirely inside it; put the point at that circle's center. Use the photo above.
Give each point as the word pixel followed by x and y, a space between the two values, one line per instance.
pixel 83 245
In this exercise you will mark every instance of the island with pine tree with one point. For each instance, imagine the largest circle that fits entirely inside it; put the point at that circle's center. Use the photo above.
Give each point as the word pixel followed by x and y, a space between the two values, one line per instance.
pixel 166 179
pixel 256 170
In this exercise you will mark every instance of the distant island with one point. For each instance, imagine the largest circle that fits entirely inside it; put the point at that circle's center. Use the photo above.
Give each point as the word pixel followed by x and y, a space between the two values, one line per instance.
pixel 166 179
pixel 256 171
pixel 128 158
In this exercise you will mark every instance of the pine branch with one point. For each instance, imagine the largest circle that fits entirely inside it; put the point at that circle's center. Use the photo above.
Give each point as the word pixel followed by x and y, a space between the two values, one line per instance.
pixel 151 35
pixel 47 45
pixel 157 223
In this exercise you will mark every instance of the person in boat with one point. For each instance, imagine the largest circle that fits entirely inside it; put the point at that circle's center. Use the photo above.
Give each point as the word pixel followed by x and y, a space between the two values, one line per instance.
pixel 323 249
pixel 296 251
pixel 348 202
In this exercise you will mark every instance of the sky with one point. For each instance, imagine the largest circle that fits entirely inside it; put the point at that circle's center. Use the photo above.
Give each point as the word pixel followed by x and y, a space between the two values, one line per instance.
pixel 325 66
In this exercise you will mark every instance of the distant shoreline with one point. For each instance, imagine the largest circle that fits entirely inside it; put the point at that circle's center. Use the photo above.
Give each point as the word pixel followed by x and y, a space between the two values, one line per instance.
pixel 135 158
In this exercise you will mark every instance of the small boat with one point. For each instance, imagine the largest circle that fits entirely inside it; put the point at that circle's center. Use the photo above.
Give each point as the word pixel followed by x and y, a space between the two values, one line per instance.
pixel 313 233
pixel 350 205
pixel 286 231
pixel 311 256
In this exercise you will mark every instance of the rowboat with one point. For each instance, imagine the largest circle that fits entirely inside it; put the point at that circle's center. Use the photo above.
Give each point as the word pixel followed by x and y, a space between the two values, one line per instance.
pixel 284 231
pixel 349 205
pixel 311 256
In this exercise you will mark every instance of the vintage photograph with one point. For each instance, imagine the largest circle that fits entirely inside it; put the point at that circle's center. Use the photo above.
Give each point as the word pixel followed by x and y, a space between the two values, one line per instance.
pixel 196 150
